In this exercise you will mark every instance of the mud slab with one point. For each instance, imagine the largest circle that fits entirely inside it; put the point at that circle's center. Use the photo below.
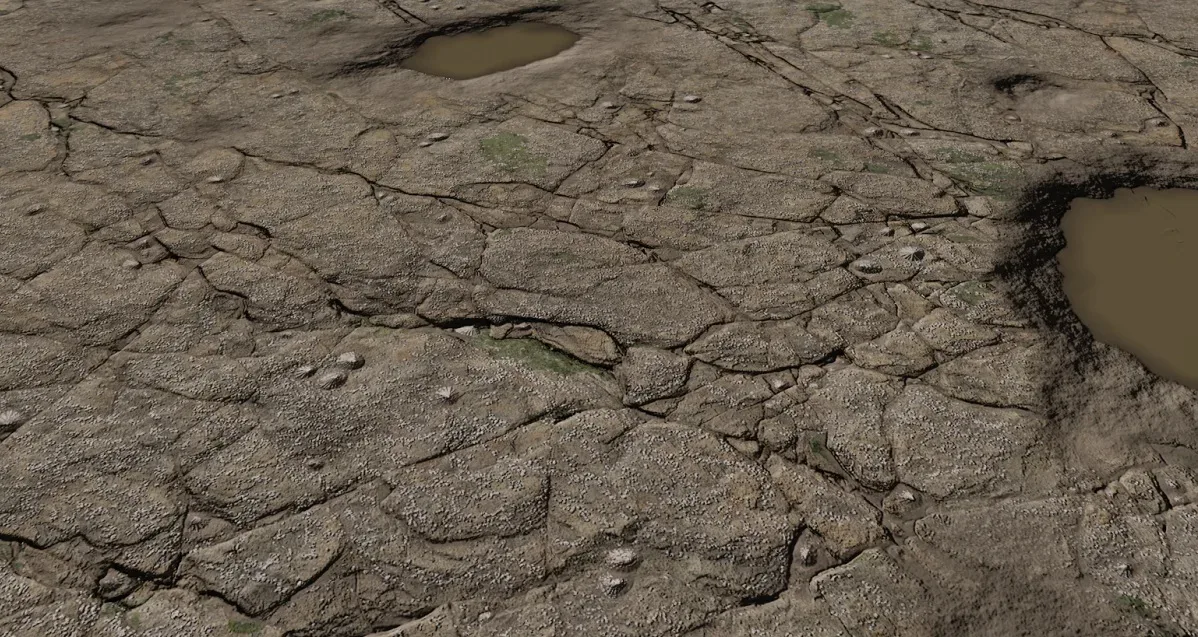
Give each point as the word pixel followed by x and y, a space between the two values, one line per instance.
pixel 727 320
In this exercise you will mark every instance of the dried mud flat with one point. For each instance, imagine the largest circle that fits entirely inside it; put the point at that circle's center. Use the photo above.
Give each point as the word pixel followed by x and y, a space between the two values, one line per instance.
pixel 735 319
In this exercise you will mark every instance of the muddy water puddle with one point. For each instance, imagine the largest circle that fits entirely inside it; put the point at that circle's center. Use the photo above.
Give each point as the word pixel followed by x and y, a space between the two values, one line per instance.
pixel 1128 267
pixel 473 54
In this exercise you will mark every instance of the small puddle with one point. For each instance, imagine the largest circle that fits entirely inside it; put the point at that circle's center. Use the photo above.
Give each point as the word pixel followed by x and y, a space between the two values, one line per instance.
pixel 477 53
pixel 1128 267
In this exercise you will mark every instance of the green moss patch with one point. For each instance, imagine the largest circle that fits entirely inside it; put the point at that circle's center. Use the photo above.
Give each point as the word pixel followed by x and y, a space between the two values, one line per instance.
pixel 533 355
pixel 832 14
pixel 510 152
pixel 688 197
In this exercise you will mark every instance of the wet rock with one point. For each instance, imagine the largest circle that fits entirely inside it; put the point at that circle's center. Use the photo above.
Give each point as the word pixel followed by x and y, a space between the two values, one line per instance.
pixel 584 343
pixel 947 447
pixel 759 346
pixel 650 374
pixel 873 591
pixel 949 333
pixel 262 568
pixel 846 521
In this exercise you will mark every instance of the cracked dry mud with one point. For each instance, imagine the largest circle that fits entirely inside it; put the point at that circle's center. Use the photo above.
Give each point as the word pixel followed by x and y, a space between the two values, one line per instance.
pixel 735 319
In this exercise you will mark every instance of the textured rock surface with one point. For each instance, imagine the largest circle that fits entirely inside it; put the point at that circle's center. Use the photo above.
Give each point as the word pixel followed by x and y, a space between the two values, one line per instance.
pixel 730 320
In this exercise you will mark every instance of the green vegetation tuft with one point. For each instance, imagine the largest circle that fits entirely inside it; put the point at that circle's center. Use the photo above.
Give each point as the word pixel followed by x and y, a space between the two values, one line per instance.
pixel 239 627
pixel 1133 604
pixel 510 152
pixel 832 14
pixel 534 355
pixel 688 197
pixel 878 169
pixel 31 137
pixel 1001 180
pixel 921 43
pixel 886 38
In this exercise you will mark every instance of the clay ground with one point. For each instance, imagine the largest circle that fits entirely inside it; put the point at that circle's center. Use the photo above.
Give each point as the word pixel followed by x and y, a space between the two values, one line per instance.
pixel 734 319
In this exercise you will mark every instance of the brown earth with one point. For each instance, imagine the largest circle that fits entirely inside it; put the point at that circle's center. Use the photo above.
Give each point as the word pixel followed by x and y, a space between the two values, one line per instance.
pixel 736 319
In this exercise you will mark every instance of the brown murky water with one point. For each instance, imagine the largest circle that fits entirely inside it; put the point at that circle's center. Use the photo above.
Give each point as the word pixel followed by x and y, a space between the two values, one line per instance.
pixel 477 53
pixel 1128 266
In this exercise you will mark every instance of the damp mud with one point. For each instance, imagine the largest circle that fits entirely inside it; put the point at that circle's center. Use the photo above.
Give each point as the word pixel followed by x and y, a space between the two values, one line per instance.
pixel 1127 268
pixel 477 53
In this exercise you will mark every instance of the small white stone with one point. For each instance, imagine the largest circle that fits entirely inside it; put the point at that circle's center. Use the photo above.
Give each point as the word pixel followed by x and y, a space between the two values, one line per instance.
pixel 918 226
pixel 1011 117
pixel 633 183
pixel 906 494
pixel 692 99
pixel 867 266
pixel 425 144
pixel 215 179
pixel 350 360
pixel 130 264
pixel 436 137
pixel 305 371
pixel 446 393
pixel 925 56
pixel 331 380
pixel 34 209
pixel 872 131
pixel 466 330
pixel 609 105
pixel 293 91
pixel 275 96
pixel 484 616
pixel 624 556
pixel 887 56
pixel 11 418
pixel 807 556
pixel 612 585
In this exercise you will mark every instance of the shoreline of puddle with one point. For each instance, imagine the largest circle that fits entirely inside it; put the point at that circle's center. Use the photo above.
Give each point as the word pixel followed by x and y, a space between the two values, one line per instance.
pixel 464 56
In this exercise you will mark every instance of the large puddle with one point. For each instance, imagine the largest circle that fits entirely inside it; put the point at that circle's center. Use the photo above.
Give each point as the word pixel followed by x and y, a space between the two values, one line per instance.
pixel 477 53
pixel 1128 265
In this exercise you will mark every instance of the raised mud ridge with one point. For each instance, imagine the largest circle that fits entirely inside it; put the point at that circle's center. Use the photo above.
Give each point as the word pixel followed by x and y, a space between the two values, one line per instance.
pixel 724 321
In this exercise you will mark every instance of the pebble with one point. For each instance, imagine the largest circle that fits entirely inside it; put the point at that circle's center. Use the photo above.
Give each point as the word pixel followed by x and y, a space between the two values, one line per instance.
pixel 214 179
pixel 867 266
pixel 918 226
pixel 1011 117
pixel 425 144
pixel 807 556
pixel 146 161
pixel 350 360
pixel 612 585
pixel 925 56
pixel 655 188
pixel 331 380
pixel 294 91
pixel 130 264
pixel 484 616
pixel 692 99
pixel 909 132
pixel 624 556
pixel 34 209
pixel 11 418
pixel 305 371
pixel 633 183
pixel 436 137
pixel 434 7
pixel 314 463
pixel 872 131
pixel 275 96
pixel 608 105
pixel 887 56
pixel 913 253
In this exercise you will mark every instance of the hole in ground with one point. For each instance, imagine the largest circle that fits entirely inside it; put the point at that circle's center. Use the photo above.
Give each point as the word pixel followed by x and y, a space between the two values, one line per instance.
pixel 1127 270
pixel 473 54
